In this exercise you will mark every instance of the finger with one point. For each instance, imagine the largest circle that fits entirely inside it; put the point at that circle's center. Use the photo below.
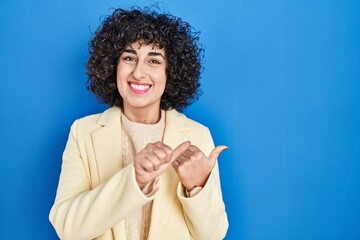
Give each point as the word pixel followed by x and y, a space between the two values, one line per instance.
pixel 155 162
pixel 190 151
pixel 175 164
pixel 168 152
pixel 181 159
pixel 180 149
pixel 158 144
pixel 150 162
pixel 216 152
pixel 161 155
pixel 148 165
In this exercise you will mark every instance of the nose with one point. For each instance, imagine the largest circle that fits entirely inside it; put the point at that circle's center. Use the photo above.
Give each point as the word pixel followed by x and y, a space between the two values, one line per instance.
pixel 139 71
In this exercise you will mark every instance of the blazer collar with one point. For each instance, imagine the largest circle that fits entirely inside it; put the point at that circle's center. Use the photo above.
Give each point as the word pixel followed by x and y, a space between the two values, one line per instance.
pixel 109 116
pixel 175 122
pixel 176 125
pixel 107 143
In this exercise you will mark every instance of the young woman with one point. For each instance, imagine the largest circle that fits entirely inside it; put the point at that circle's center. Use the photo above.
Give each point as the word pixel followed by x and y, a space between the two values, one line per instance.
pixel 141 169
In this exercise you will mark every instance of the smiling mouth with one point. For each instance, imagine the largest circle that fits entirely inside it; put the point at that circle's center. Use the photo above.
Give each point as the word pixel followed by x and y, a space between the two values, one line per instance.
pixel 139 88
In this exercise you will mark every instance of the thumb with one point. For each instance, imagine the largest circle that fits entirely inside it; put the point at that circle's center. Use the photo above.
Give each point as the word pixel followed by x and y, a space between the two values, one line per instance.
pixel 216 152
pixel 179 150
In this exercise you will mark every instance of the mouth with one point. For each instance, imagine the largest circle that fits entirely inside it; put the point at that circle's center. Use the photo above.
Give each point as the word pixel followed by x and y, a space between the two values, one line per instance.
pixel 139 88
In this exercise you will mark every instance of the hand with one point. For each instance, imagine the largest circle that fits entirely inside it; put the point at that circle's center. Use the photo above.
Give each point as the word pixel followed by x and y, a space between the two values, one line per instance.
pixel 154 160
pixel 194 168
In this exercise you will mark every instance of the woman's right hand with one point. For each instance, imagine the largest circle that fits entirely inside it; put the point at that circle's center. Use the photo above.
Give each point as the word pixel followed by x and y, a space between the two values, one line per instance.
pixel 154 160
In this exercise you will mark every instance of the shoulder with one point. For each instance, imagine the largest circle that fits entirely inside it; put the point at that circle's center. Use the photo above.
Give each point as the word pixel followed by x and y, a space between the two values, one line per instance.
pixel 181 121
pixel 94 121
pixel 192 130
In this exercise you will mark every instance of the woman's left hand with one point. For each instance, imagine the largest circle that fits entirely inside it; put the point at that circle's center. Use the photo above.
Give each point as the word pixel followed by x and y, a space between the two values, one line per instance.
pixel 194 168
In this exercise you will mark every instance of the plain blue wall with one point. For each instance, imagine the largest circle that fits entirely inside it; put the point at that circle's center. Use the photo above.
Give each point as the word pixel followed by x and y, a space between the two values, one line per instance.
pixel 281 88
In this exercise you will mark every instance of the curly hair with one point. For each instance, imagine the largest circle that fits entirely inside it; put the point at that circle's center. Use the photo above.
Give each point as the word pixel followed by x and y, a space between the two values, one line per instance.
pixel 124 27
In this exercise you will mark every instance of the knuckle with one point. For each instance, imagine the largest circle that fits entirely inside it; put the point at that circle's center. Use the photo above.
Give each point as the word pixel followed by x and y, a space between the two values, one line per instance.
pixel 199 154
pixel 188 163
pixel 194 148
pixel 157 162
pixel 160 153
pixel 148 147
pixel 180 168
pixel 168 150
pixel 193 158
pixel 147 165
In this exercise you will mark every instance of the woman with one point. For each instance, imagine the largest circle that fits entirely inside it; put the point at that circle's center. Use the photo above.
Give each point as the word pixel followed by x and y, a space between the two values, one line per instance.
pixel 141 169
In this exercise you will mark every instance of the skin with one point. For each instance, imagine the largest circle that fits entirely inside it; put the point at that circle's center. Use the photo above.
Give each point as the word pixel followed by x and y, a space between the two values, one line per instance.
pixel 141 81
pixel 144 66
pixel 194 168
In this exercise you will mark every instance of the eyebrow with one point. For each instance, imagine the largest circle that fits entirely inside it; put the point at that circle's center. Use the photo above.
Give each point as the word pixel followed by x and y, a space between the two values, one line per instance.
pixel 132 51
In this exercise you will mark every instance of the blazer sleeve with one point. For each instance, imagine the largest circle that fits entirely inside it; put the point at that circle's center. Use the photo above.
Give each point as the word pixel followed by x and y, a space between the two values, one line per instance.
pixel 205 213
pixel 80 212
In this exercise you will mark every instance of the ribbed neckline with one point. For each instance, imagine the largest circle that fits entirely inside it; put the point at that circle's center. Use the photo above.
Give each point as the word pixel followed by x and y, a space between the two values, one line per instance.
pixel 141 128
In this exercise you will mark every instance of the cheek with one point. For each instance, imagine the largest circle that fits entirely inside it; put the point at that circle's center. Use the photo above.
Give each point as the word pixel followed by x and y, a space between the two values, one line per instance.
pixel 121 75
pixel 162 78
pixel 162 84
pixel 121 81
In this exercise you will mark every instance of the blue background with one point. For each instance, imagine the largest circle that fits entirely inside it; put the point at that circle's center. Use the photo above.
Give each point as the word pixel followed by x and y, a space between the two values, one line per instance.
pixel 281 88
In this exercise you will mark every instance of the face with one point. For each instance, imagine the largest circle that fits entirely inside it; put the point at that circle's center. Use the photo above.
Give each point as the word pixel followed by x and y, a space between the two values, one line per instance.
pixel 141 78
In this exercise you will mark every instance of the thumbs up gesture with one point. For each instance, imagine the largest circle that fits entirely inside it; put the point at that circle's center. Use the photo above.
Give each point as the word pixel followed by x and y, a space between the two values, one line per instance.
pixel 154 160
pixel 194 168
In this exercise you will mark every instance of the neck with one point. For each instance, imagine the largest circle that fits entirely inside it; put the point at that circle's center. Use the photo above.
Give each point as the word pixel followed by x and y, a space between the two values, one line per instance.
pixel 141 116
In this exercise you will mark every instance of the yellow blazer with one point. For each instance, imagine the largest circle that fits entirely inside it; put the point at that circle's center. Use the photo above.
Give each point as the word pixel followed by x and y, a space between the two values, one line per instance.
pixel 95 194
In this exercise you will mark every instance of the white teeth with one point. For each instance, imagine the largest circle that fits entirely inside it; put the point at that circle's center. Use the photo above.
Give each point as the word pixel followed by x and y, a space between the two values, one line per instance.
pixel 139 87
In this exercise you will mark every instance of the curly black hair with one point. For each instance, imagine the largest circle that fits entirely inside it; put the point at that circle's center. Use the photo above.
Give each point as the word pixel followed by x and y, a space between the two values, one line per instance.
pixel 183 51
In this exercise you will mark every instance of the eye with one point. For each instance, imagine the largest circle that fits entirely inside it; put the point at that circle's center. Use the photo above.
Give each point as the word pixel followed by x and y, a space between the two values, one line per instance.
pixel 128 59
pixel 154 61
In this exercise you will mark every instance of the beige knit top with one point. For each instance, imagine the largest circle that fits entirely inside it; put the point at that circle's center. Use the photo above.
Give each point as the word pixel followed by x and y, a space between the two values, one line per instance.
pixel 136 136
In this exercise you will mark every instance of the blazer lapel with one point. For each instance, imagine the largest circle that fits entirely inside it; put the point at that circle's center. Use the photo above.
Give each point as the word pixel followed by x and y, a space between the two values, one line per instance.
pixel 107 143
pixel 162 204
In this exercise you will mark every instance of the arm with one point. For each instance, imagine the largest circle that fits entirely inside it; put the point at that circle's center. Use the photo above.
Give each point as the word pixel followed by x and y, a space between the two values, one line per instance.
pixel 80 212
pixel 205 212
